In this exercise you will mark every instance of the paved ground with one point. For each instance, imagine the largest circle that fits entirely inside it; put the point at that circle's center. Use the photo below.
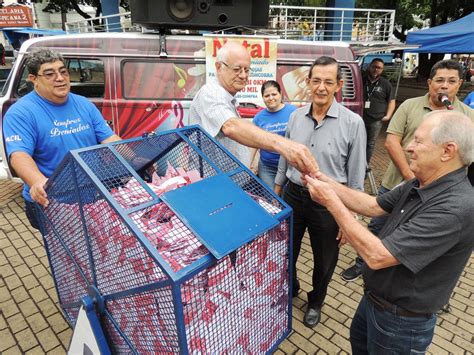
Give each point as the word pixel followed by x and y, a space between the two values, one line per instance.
pixel 32 323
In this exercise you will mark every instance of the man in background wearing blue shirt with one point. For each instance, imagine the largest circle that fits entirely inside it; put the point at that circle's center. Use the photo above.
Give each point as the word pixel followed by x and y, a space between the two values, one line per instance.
pixel 44 125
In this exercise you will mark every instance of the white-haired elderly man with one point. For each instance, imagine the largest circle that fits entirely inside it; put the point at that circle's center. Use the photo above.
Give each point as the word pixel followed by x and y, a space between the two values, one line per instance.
pixel 412 267
pixel 214 108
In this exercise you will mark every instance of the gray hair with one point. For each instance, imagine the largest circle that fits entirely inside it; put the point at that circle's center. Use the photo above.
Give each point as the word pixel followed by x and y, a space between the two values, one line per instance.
pixel 40 56
pixel 222 54
pixel 453 126
pixel 227 49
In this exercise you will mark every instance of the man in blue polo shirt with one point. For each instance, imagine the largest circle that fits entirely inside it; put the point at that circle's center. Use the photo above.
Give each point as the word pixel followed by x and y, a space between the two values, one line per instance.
pixel 44 125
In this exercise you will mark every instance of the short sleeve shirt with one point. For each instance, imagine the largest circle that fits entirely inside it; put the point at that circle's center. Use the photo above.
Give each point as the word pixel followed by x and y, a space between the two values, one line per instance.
pixel 431 232
pixel 47 131
pixel 211 108
pixel 379 94
pixel 469 100
pixel 404 123
pixel 274 122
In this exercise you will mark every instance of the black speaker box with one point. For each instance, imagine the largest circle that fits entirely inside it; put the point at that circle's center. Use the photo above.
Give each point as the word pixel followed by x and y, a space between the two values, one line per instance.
pixel 199 14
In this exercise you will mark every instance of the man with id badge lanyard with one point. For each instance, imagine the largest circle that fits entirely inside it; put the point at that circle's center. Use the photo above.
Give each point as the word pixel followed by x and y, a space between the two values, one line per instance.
pixel 378 108
pixel 379 103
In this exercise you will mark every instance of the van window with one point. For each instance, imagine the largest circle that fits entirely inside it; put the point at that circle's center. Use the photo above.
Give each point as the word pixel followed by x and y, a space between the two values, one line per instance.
pixel 86 76
pixel 294 82
pixel 24 85
pixel 4 80
pixel 151 80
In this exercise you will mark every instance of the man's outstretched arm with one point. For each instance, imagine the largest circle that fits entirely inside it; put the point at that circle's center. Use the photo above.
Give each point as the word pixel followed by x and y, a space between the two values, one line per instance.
pixel 250 135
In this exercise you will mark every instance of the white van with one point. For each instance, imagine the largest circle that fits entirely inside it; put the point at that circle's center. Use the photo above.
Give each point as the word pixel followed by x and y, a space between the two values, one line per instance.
pixel 139 91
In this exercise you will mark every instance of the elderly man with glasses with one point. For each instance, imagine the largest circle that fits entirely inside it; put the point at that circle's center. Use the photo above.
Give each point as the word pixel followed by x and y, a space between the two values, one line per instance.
pixel 44 125
pixel 214 108
pixel 336 137
pixel 444 81
pixel 413 265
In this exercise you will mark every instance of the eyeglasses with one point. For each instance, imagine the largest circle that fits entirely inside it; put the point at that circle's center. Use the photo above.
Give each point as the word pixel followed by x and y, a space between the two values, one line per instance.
pixel 237 70
pixel 327 83
pixel 53 74
pixel 441 81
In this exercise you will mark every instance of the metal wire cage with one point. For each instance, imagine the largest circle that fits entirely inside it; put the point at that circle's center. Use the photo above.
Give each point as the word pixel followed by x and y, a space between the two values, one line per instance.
pixel 167 275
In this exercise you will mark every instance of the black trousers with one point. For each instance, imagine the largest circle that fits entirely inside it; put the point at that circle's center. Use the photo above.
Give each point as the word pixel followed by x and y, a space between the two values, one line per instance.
pixel 323 230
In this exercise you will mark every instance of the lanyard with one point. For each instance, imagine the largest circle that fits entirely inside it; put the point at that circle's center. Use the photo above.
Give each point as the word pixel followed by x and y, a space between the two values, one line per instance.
pixel 369 94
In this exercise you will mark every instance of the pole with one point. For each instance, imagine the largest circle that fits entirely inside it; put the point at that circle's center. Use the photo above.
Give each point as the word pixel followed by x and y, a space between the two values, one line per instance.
pixel 33 13
pixel 111 7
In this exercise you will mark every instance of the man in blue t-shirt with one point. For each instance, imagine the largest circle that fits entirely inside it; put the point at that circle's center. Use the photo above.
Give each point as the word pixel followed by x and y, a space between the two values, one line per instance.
pixel 44 125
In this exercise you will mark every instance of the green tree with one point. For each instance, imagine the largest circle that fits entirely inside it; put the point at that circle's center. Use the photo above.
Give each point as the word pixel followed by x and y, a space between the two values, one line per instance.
pixel 437 11
pixel 63 6
pixel 312 3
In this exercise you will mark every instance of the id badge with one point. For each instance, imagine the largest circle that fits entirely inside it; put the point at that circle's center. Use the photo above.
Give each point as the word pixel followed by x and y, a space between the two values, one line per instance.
pixel 367 104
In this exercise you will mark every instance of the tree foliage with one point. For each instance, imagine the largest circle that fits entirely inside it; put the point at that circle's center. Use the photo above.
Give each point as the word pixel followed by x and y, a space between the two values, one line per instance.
pixel 437 11
pixel 312 3
pixel 65 6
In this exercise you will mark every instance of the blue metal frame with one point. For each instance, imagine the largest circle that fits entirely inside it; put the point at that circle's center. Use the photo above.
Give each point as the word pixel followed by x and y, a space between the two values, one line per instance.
pixel 89 307
pixel 175 279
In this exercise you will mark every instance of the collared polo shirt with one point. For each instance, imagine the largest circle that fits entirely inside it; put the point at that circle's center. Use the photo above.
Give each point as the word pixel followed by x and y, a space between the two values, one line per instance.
pixel 430 231
pixel 211 108
pixel 338 143
pixel 404 123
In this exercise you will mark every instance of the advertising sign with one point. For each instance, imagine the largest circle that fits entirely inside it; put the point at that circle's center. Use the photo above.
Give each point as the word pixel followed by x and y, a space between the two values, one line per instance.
pixel 16 16
pixel 263 53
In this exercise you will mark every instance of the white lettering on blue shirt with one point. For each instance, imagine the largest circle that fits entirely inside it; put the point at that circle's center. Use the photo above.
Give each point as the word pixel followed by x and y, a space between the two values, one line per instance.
pixel 58 132
pixel 13 138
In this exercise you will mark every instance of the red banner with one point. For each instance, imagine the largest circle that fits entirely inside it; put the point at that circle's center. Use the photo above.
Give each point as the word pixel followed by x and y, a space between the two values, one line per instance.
pixel 16 16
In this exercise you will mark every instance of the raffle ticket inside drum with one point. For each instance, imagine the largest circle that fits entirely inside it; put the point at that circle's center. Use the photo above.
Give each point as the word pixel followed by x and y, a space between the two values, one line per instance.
pixel 183 249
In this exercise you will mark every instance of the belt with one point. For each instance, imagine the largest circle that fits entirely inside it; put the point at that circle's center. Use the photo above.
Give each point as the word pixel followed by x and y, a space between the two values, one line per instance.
pixel 304 188
pixel 298 187
pixel 384 305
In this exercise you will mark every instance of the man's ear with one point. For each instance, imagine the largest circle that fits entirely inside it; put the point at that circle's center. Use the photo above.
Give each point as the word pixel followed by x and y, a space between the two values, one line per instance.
pixel 450 150
pixel 340 84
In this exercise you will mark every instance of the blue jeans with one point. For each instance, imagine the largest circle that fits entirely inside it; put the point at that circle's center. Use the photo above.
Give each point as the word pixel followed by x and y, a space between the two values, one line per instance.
pixel 374 331
pixel 373 130
pixel 267 173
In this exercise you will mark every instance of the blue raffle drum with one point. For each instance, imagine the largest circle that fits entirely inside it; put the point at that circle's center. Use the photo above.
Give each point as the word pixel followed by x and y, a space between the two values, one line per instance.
pixel 181 248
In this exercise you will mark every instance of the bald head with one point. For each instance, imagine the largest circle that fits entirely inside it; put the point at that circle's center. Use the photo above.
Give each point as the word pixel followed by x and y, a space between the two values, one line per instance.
pixel 233 66
pixel 231 49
